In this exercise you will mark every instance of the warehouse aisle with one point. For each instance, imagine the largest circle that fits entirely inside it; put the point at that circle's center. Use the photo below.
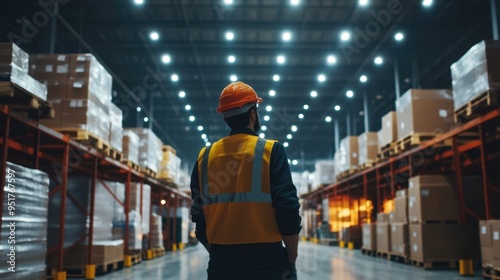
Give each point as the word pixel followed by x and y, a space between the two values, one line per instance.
pixel 315 262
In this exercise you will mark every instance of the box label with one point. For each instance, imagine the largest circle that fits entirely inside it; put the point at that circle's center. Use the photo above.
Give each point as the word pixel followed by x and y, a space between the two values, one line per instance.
pixel 483 230
pixel 411 184
pixel 496 235
pixel 49 68
pixel 425 192
pixel 415 248
pixel 443 113
pixel 62 69
pixel 61 57
pixel 414 234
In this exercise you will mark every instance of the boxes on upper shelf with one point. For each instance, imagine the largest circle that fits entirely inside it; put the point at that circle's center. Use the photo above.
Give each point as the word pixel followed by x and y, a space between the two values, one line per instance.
pixel 347 154
pixel 115 127
pixel 388 133
pixel 130 145
pixel 368 147
pixel 150 150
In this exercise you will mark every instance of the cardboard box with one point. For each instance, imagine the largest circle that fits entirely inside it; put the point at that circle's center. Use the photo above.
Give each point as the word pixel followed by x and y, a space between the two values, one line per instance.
pixel 399 239
pixel 435 242
pixel 495 231
pixel 402 193
pixel 352 234
pixel 400 214
pixel 348 154
pixel 432 198
pixel 486 241
pixel 424 111
pixel 383 218
pixel 370 236
pixel 383 237
pixel 130 145
pixel 368 147
pixel 389 130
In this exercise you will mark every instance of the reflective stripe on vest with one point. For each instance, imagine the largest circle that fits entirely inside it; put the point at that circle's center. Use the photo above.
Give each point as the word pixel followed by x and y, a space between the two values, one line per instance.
pixel 255 195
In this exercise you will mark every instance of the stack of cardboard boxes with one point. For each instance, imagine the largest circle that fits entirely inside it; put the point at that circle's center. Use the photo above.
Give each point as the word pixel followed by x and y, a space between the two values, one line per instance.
pixel 489 232
pixel 130 146
pixel 352 235
pixel 399 225
pixel 170 165
pixel 368 148
pixel 388 133
pixel 347 156
pixel 150 149
pixel 156 232
pixel 383 233
pixel 369 237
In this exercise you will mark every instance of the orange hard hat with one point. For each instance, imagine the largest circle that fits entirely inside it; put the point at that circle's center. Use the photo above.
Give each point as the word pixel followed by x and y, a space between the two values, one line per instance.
pixel 235 96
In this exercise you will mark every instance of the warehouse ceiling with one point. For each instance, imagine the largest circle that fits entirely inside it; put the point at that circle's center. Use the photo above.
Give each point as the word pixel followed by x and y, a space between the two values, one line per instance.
pixel 147 44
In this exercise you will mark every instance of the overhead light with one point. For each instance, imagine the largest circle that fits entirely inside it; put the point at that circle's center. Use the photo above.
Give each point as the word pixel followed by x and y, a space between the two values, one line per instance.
pixel 361 113
pixel 229 36
pixel 266 118
pixel 269 108
pixel 286 36
pixel 399 36
pixel 264 128
pixel 289 136
pixel 331 59
pixel 306 107
pixel 154 36
pixel 285 144
pixel 345 36
pixel 337 108
pixel 349 94
pixel 208 144
pixel 363 78
pixel 146 119
pixel 276 78
pixel 231 59
pixel 205 140
pixel 272 93
pixel 295 162
pixel 427 3
pixel 328 119
pixel 165 59
pixel 280 59
pixel 289 161
pixel 228 2
pixel 174 77
pixel 262 135
pixel 203 136
pixel 301 116
pixel 233 78
pixel 163 202
pixel 294 2
pixel 321 78
pixel 138 109
pixel 314 94
pixel 192 118
pixel 182 94
pixel 188 107
pixel 378 60
pixel 294 128
pixel 363 2
pixel 138 2
pixel 200 128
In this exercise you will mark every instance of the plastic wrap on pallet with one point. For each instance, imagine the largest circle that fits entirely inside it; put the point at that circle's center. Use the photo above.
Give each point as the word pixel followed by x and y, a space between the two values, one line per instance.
pixel 115 128
pixel 131 145
pixel 135 230
pixel 368 147
pixel 424 111
pixel 135 203
pixel 324 171
pixel 148 148
pixel 476 72
pixel 170 166
pixel 157 232
pixel 347 154
pixel 29 190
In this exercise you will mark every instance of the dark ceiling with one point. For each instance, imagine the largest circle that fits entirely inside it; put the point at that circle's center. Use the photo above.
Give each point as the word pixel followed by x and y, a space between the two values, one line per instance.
pixel 192 32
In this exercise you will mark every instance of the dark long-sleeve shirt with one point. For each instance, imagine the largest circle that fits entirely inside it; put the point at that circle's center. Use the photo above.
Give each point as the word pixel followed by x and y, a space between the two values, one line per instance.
pixel 283 193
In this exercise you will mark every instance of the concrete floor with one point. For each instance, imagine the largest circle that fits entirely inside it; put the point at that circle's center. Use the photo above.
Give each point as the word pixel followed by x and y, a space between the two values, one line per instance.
pixel 314 262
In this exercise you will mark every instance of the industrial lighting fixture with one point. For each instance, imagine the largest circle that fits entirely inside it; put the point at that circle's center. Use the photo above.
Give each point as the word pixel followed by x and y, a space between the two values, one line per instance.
pixel 264 128
pixel 285 144
pixel 229 36
pixel 321 78
pixel 314 94
pixel 138 2
pixel 188 107
pixel 331 59
pixel 399 36
pixel 427 3
pixel 163 202
pixel 294 128
pixel 272 93
pixel 286 36
pixel 378 60
pixel 363 2
pixel 363 79
pixel 205 140
pixel 280 59
pixel 349 94
pixel 266 118
pixel 262 135
pixel 192 118
pixel 200 128
pixel 233 78
pixel 146 119
pixel 276 78
pixel 228 2
pixel 269 108
pixel 306 107
pixel 208 144
pixel 174 77
pixel 345 36
pixel 182 94
pixel 154 36
pixel 301 116
pixel 165 59
pixel 295 162
pixel 328 119
pixel 203 136
pixel 231 59
pixel 138 109
pixel 337 108
pixel 294 2
pixel 289 136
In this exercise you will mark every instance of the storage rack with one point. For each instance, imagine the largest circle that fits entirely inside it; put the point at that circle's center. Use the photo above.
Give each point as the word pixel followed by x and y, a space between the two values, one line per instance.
pixel 28 143
pixel 474 149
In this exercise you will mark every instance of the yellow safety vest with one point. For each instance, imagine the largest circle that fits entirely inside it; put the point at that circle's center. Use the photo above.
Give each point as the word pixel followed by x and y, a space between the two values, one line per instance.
pixel 236 192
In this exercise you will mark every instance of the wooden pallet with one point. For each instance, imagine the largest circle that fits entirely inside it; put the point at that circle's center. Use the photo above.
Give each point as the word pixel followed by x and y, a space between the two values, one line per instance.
pixel 436 222
pixel 136 256
pixel 131 164
pixel 366 165
pixel 399 258
pixel 329 242
pixel 478 106
pixel 346 173
pixel 387 151
pixel 20 100
pixel 148 172
pixel 100 269
pixel 384 255
pixel 417 139
pixel 159 252
pixel 87 138
pixel 115 154
pixel 368 252
pixel 438 264
pixel 491 273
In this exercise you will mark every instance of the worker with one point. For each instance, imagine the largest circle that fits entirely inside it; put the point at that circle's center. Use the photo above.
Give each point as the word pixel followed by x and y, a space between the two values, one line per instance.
pixel 245 205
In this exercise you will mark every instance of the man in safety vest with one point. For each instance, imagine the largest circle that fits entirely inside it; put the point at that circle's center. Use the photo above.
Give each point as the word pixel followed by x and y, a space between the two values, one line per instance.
pixel 244 201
